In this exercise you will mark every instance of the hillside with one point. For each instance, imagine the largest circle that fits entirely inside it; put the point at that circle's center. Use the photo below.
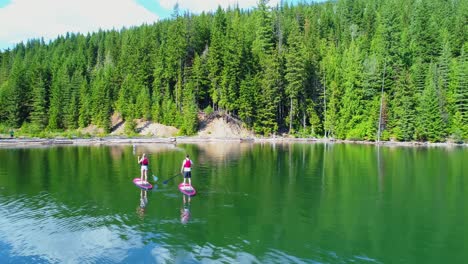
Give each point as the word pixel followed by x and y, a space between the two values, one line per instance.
pixel 215 125
pixel 356 70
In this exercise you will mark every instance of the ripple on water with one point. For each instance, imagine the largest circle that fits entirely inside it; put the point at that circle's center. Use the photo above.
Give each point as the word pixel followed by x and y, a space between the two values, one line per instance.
pixel 39 228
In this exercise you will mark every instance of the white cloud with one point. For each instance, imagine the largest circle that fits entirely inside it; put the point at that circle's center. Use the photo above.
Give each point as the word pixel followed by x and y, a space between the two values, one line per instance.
pixel 26 19
pixel 210 5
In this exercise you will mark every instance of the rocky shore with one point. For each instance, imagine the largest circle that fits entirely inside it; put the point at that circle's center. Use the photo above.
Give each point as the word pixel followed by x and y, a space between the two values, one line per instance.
pixel 214 128
pixel 112 140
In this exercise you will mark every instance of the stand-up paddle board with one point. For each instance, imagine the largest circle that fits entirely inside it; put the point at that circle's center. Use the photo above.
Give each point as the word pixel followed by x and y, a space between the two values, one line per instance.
pixel 142 185
pixel 187 189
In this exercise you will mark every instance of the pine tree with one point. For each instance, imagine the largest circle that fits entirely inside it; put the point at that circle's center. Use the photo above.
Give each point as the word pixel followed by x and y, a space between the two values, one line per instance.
pixel 143 102
pixel 430 124
pixel 402 109
pixel 263 45
pixel 351 111
pixel 126 103
pixel 71 111
pixel 329 69
pixel 461 90
pixel 59 81
pixel 84 118
pixel 100 104
pixel 269 96
pixel 39 100
pixel 189 111
pixel 295 72
pixel 443 81
pixel 215 55
pixel 269 71
pixel 199 76
pixel 248 96
pixel 232 61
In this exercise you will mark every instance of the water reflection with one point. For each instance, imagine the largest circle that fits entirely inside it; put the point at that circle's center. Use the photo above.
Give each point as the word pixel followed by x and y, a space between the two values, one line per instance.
pixel 40 229
pixel 185 210
pixel 141 209
pixel 288 203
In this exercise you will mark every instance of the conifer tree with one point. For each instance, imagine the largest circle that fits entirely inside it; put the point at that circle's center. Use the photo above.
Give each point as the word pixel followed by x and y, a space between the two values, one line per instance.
pixel 329 70
pixel 59 81
pixel 189 111
pixel 461 90
pixel 84 118
pixel 295 72
pixel 199 76
pixel 39 99
pixel 402 111
pixel 215 55
pixel 100 104
pixel 232 61
pixel 248 95
pixel 351 111
pixel 430 124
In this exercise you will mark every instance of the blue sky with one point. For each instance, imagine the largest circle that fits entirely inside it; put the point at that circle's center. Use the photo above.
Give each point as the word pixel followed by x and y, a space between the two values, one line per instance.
pixel 21 20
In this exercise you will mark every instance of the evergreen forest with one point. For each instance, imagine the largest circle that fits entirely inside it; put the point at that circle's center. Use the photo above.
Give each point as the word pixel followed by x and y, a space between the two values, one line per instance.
pixel 347 69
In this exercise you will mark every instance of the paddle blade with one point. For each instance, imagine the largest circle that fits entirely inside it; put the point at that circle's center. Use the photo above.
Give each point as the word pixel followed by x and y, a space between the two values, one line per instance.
pixel 155 178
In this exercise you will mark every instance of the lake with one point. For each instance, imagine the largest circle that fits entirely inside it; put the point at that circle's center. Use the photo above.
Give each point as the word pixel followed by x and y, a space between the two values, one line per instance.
pixel 256 203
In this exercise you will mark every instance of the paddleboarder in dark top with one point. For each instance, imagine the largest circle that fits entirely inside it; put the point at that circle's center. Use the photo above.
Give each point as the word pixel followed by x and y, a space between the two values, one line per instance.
pixel 186 169
pixel 144 167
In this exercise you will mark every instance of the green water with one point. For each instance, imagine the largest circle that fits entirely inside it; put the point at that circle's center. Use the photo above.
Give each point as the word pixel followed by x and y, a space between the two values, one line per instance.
pixel 256 203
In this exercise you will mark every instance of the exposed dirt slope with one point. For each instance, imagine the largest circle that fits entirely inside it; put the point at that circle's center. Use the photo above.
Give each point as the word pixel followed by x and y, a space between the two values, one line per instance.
pixel 216 125
pixel 219 125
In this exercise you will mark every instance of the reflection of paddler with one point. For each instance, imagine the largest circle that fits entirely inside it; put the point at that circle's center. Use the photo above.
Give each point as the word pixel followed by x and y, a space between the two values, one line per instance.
pixel 143 202
pixel 185 210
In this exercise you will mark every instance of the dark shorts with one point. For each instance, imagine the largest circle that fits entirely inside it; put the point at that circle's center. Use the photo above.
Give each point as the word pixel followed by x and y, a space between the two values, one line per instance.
pixel 187 174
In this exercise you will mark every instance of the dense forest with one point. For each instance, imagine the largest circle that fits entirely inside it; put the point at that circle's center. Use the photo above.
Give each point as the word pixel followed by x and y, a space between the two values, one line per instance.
pixel 354 69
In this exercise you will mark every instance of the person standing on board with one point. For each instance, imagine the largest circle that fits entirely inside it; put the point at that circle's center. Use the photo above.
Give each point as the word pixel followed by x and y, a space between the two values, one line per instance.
pixel 186 169
pixel 144 167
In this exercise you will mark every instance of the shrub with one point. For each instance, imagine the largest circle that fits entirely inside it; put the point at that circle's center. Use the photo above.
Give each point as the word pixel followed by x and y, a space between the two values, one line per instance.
pixel 208 110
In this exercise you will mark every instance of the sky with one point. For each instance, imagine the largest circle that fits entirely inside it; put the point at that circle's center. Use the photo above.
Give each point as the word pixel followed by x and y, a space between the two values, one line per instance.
pixel 21 20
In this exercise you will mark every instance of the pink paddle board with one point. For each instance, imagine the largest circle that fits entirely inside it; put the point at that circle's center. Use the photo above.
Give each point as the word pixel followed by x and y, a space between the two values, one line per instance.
pixel 142 185
pixel 187 189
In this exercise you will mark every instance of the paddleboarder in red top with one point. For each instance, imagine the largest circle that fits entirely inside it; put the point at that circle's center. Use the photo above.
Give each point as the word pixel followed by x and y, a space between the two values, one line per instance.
pixel 186 169
pixel 144 167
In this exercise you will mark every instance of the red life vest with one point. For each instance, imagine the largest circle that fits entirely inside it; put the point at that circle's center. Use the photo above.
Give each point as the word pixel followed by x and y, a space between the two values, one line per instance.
pixel 187 163
pixel 144 161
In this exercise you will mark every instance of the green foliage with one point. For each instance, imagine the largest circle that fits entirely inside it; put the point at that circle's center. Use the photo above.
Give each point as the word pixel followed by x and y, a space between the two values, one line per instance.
pixel 208 110
pixel 4 129
pixel 430 125
pixel 130 127
pixel 31 129
pixel 308 69
pixel 458 129
pixel 295 73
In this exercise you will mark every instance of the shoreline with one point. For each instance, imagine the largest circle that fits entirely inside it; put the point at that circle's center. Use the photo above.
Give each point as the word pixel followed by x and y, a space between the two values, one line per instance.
pixel 25 142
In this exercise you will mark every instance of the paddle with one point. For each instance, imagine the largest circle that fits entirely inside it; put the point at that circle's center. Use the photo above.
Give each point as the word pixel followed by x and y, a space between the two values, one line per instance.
pixel 165 182
pixel 155 178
